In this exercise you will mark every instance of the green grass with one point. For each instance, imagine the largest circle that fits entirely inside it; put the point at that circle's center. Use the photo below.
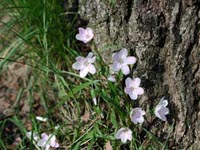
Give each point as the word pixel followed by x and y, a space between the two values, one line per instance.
pixel 38 35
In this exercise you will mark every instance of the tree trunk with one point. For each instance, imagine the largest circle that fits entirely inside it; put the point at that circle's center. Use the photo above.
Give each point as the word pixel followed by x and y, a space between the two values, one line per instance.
pixel 164 36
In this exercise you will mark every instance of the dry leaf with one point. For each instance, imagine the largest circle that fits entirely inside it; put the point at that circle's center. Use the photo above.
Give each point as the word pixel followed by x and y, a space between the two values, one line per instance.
pixel 108 146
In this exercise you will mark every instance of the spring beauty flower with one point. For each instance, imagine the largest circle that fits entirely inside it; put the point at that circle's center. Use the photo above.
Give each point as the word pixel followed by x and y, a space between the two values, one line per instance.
pixel 136 115
pixel 85 65
pixel 85 35
pixel 124 134
pixel 121 61
pixel 161 109
pixel 48 141
pixel 132 88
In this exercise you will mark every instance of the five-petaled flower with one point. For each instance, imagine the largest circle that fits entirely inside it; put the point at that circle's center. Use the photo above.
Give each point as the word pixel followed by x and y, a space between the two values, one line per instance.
pixel 85 35
pixel 161 109
pixel 124 134
pixel 47 141
pixel 132 88
pixel 136 115
pixel 84 64
pixel 121 61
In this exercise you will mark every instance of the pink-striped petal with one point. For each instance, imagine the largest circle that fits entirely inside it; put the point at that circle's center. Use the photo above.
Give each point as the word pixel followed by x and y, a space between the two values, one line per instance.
pixel 84 72
pixel 123 54
pixel 92 69
pixel 139 91
pixel 125 69
pixel 130 60
pixel 136 82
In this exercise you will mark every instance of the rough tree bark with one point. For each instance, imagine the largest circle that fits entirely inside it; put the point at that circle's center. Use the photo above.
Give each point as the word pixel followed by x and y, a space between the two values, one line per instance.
pixel 164 36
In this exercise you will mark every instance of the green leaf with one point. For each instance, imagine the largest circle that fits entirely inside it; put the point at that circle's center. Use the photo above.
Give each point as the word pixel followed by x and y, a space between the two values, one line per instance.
pixel 114 119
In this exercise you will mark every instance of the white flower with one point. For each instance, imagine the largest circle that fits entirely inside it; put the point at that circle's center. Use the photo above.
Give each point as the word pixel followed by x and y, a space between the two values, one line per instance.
pixel 94 100
pixel 136 115
pixel 132 88
pixel 85 35
pixel 161 109
pixel 112 78
pixel 84 64
pixel 47 141
pixel 57 127
pixel 121 61
pixel 124 134
pixel 41 118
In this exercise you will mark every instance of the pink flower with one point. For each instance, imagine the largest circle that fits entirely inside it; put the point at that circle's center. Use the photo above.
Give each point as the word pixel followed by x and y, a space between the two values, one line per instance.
pixel 121 61
pixel 161 110
pixel 47 141
pixel 132 88
pixel 85 35
pixel 124 134
pixel 84 64
pixel 136 115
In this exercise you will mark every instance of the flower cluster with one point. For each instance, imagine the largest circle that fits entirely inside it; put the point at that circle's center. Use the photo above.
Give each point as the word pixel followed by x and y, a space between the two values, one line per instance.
pixel 45 142
pixel 121 62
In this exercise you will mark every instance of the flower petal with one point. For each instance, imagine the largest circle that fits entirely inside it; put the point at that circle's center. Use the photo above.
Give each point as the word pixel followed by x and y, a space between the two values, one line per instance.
pixel 116 66
pixel 140 120
pixel 41 118
pixel 163 102
pixel 125 69
pixel 84 72
pixel 162 112
pixel 77 66
pixel 90 32
pixel 123 54
pixel 45 136
pixel 157 108
pixel 136 82
pixel 41 143
pixel 92 69
pixel 133 96
pixel 92 59
pixel 128 90
pixel 128 82
pixel 123 138
pixel 139 91
pixel 80 58
pixel 115 57
pixel 130 60
pixel 111 78
pixel 81 30
pixel 90 54
pixel 80 37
